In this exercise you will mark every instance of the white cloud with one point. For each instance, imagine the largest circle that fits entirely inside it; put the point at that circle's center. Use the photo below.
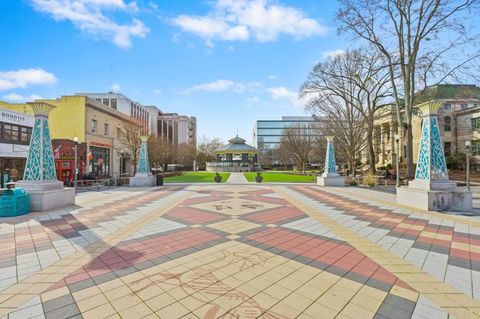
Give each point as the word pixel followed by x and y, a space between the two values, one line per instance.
pixel 25 77
pixel 157 91
pixel 115 87
pixel 273 77
pixel 239 20
pixel 282 93
pixel 252 100
pixel 20 98
pixel 89 16
pixel 223 85
pixel 333 53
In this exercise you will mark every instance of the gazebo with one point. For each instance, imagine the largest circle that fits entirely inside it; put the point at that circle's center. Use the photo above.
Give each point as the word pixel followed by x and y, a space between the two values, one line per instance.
pixel 236 156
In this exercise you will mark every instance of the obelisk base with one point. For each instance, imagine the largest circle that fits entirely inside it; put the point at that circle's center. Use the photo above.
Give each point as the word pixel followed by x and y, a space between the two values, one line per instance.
pixel 442 196
pixel 334 181
pixel 47 195
pixel 142 180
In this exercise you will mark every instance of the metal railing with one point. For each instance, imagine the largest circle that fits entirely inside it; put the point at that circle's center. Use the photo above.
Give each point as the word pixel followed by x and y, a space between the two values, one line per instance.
pixel 88 185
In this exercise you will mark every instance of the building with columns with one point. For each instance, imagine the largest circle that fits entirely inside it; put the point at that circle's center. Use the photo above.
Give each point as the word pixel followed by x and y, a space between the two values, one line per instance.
pixel 458 118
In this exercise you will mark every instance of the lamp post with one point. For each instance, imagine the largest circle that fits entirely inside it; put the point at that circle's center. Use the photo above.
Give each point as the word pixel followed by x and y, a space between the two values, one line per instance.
pixel 468 145
pixel 75 169
pixel 397 159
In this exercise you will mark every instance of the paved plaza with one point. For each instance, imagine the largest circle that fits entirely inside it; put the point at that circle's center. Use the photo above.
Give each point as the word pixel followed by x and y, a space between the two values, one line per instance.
pixel 239 251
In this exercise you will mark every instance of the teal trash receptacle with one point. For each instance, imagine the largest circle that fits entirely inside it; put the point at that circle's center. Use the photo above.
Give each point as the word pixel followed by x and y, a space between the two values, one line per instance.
pixel 14 202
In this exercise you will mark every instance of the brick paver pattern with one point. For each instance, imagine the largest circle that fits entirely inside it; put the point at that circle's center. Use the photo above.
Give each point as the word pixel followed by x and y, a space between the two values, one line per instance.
pixel 239 251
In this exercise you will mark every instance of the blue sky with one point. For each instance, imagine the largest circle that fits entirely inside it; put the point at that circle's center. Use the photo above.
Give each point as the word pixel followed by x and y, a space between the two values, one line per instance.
pixel 227 62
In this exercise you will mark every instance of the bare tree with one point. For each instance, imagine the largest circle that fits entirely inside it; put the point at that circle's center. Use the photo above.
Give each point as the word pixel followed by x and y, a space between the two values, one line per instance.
pixel 283 154
pixel 418 38
pixel 299 143
pixel 206 148
pixel 184 154
pixel 358 77
pixel 159 152
pixel 132 130
pixel 341 119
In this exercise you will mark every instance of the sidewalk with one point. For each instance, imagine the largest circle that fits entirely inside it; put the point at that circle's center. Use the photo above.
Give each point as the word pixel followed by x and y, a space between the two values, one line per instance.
pixel 237 178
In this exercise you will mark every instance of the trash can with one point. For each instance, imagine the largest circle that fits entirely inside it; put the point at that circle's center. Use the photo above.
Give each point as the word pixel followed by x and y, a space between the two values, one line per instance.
pixel 14 202
pixel 159 180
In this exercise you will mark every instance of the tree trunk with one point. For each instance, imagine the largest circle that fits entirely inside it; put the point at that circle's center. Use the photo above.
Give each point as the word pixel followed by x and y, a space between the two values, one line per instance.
pixel 371 151
pixel 410 166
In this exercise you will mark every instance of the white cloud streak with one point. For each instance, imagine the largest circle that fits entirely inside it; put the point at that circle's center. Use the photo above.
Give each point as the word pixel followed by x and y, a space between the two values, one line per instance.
pixel 25 77
pixel 240 20
pixel 89 16
pixel 222 85
pixel 282 93
pixel 14 97
pixel 333 53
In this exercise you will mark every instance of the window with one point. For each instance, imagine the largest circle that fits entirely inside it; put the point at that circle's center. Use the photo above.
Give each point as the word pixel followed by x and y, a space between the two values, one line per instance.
pixel 476 148
pixel 105 129
pixel 11 133
pixel 476 124
pixel 119 132
pixel 94 126
pixel 98 100
pixel 447 148
pixel 463 106
pixel 447 106
pixel 113 103
pixel 448 124
pixel 105 101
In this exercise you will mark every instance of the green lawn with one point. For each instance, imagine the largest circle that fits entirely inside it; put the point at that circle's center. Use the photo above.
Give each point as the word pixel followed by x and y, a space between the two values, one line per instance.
pixel 196 177
pixel 277 177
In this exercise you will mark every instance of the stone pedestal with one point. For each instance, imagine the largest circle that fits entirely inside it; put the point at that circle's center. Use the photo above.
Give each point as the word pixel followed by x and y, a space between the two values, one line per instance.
pixel 330 175
pixel 48 195
pixel 335 181
pixel 39 178
pixel 143 177
pixel 142 180
pixel 431 189
pixel 454 199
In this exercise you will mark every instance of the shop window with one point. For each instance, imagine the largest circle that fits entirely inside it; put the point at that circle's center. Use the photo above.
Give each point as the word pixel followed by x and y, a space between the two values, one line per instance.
pixel 113 103
pixel 476 124
pixel 106 128
pixel 94 126
pixel 447 124
pixel 447 148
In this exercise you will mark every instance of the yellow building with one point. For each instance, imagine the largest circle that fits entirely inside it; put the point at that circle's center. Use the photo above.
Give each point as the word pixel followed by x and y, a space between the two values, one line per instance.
pixel 100 132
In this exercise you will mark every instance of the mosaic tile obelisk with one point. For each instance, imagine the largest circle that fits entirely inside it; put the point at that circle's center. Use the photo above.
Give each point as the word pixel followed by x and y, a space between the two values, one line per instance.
pixel 39 179
pixel 143 177
pixel 330 176
pixel 431 189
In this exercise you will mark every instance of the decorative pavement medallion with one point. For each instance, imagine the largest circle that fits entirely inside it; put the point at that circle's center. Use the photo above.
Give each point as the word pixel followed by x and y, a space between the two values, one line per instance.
pixel 231 252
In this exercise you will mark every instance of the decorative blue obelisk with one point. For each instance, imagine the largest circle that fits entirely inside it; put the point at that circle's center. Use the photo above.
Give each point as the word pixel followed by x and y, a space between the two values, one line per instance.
pixel 330 176
pixel 39 179
pixel 143 177
pixel 431 189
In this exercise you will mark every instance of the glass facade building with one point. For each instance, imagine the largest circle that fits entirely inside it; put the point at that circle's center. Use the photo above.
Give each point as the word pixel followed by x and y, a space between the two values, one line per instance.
pixel 268 133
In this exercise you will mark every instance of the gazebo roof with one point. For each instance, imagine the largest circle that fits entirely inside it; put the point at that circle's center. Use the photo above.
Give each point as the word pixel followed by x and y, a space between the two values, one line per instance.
pixel 236 144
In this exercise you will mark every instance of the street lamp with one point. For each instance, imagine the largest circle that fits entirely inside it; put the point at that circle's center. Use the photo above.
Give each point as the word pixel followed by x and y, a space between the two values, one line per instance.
pixel 397 158
pixel 75 172
pixel 468 145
